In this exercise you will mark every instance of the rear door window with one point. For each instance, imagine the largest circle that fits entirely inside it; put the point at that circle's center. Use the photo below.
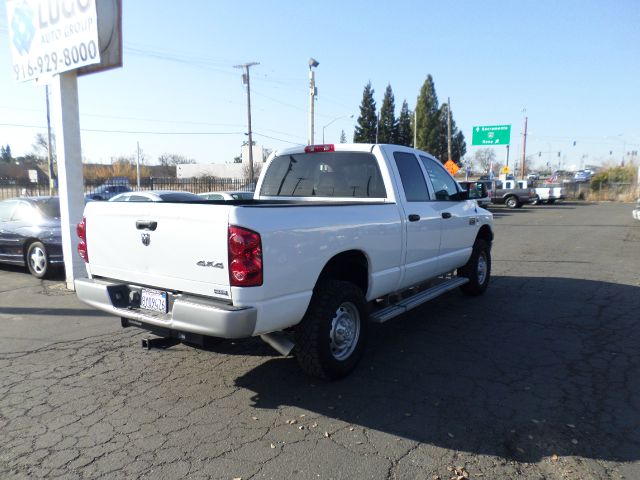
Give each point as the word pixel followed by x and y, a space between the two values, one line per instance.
pixel 411 176
pixel 324 174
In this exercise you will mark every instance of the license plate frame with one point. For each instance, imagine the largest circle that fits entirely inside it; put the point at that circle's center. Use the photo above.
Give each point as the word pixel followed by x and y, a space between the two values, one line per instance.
pixel 153 300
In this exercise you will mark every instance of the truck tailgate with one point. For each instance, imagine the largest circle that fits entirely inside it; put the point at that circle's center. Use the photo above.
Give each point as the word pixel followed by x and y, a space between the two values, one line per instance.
pixel 169 246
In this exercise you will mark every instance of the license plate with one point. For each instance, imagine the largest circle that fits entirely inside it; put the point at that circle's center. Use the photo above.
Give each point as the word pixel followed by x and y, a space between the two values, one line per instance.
pixel 153 300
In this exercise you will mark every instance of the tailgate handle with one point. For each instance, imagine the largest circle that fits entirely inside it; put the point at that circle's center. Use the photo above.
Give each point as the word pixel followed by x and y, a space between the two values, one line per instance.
pixel 146 225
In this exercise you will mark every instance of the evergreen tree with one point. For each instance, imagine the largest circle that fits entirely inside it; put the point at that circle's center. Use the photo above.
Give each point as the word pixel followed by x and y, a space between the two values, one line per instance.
pixel 405 133
pixel 388 125
pixel 3 154
pixel 343 137
pixel 365 131
pixel 428 118
pixel 458 145
pixel 7 152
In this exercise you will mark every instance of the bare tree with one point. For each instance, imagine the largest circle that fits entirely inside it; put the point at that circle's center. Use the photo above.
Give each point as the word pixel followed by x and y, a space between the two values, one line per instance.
pixel 170 159
pixel 484 157
pixel 257 168
pixel 41 146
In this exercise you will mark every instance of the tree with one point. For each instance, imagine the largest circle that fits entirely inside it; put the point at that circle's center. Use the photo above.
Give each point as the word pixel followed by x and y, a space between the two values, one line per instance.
pixel 5 154
pixel 365 131
pixel 343 137
pixel 428 119
pixel 171 159
pixel 458 145
pixel 484 158
pixel 405 134
pixel 388 125
pixel 41 147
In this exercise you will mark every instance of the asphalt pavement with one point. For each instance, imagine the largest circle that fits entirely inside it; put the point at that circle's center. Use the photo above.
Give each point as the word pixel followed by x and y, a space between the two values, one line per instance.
pixel 537 379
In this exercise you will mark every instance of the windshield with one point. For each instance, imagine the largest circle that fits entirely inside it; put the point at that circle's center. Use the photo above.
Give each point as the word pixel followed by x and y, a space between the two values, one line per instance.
pixel 330 174
pixel 50 207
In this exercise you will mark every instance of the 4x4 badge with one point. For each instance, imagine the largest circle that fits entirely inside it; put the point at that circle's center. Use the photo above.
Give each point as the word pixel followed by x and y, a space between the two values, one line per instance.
pixel 146 239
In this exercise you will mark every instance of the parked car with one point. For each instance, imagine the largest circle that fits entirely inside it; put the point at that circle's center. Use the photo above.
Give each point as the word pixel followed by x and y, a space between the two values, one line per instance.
pixel 582 176
pixel 30 234
pixel 156 196
pixel 226 195
pixel 106 192
pixel 636 211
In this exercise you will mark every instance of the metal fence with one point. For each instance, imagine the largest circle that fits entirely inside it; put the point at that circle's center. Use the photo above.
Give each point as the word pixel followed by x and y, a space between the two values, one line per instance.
pixel 17 188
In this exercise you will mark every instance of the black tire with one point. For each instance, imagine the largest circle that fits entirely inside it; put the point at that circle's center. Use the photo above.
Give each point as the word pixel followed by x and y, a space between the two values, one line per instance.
pixel 551 201
pixel 519 205
pixel 511 202
pixel 477 269
pixel 37 259
pixel 322 350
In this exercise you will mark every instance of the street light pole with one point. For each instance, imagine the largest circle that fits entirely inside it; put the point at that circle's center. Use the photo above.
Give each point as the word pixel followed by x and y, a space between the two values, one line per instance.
pixel 313 63
pixel 334 120
pixel 245 81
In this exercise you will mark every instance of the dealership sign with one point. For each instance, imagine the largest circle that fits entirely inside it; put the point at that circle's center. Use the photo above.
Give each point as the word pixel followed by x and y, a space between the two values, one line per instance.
pixel 47 37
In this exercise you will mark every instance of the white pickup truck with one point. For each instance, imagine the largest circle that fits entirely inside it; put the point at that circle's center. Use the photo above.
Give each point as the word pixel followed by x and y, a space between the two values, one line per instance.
pixel 335 237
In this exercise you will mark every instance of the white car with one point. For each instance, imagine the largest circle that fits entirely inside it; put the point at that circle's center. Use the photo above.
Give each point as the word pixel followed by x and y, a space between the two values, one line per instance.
pixel 226 195
pixel 636 211
pixel 156 196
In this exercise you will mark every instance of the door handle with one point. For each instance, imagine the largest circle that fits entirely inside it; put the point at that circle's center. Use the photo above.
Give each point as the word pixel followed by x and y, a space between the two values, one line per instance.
pixel 414 218
pixel 146 225
pixel 446 215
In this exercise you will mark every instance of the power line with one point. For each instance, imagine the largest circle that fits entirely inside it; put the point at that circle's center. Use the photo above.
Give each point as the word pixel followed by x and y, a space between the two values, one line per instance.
pixel 146 132
pixel 279 139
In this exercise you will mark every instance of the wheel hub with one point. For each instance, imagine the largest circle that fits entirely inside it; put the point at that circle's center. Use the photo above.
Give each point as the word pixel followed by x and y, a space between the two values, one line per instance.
pixel 38 260
pixel 345 330
pixel 482 268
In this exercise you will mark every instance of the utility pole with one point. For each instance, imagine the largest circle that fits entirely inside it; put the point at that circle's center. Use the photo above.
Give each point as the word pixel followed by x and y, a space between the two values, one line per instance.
pixel 524 145
pixel 245 81
pixel 507 155
pixel 313 92
pixel 138 166
pixel 377 126
pixel 49 156
pixel 449 128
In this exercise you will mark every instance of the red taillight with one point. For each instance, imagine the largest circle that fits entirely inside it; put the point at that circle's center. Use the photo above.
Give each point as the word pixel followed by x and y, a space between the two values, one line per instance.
pixel 319 148
pixel 81 230
pixel 245 257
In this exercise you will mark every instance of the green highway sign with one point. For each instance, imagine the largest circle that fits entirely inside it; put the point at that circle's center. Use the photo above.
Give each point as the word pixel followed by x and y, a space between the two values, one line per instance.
pixel 491 135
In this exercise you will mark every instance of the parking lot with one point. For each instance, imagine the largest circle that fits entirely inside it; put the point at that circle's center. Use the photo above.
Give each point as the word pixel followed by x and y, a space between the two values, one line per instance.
pixel 537 379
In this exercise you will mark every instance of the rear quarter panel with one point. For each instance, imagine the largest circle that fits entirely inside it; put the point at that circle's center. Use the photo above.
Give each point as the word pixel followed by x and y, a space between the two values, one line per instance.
pixel 298 241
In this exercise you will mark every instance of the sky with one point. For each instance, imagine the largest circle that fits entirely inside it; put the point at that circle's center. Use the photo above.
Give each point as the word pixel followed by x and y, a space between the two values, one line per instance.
pixel 571 67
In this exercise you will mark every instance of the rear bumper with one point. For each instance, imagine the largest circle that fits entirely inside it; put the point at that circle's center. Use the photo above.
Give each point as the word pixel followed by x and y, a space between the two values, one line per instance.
pixel 186 313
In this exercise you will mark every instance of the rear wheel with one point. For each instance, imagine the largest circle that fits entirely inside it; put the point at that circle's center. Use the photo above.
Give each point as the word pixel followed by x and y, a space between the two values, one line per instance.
pixel 511 202
pixel 477 269
pixel 37 260
pixel 330 338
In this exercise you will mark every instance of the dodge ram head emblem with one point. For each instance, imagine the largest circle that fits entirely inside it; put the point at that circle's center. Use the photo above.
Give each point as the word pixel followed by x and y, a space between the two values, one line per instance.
pixel 146 239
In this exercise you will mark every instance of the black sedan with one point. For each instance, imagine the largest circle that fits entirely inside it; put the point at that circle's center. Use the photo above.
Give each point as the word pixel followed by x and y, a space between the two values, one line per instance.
pixel 30 234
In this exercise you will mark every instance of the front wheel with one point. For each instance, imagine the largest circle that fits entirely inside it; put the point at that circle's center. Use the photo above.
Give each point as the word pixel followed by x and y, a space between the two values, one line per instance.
pixel 477 269
pixel 38 260
pixel 330 338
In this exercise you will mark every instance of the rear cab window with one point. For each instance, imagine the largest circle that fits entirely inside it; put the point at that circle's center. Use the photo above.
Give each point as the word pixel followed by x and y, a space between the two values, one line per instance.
pixel 325 174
